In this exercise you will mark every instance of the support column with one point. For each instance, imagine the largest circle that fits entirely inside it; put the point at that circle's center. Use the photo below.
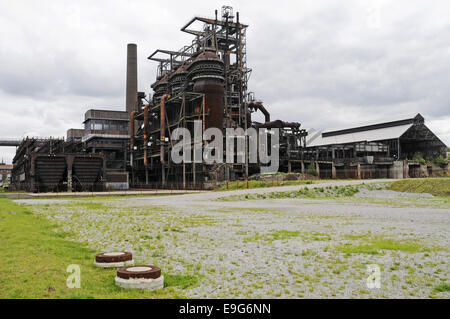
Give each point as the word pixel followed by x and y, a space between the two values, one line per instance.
pixel 317 169
pixel 69 162
pixel 289 167
pixel 33 182
pixel 303 167
pixel 405 169
pixel 69 180
pixel 333 171
pixel 358 174
pixel 184 174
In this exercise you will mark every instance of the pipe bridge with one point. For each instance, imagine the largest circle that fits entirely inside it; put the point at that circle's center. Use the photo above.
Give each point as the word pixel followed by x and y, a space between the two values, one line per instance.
pixel 10 142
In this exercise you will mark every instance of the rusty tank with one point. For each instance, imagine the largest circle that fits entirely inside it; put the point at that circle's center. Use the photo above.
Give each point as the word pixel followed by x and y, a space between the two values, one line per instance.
pixel 177 80
pixel 160 87
pixel 207 73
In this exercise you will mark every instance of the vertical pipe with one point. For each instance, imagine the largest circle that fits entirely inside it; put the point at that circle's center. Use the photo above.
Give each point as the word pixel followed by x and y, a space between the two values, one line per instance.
pixel 145 134
pixel 184 125
pixel 146 142
pixel 163 124
pixel 131 86
pixel 131 132
pixel 214 34
pixel 163 135
pixel 204 116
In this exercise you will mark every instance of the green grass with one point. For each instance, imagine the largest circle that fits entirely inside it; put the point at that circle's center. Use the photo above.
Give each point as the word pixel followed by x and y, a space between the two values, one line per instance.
pixel 377 245
pixel 435 202
pixel 104 196
pixel 285 235
pixel 260 184
pixel 442 287
pixel 275 235
pixel 326 192
pixel 180 281
pixel 435 186
pixel 35 259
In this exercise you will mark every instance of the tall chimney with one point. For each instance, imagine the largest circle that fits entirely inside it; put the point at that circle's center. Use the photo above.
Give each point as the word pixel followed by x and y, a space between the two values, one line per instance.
pixel 131 94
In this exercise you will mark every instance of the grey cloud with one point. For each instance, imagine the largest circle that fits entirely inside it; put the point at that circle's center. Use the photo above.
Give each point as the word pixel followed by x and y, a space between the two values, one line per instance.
pixel 322 63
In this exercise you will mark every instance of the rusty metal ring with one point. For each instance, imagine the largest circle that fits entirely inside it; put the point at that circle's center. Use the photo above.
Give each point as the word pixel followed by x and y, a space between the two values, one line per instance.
pixel 113 257
pixel 146 272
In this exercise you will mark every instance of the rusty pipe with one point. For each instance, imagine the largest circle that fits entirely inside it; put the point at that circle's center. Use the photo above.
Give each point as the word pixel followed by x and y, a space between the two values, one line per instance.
pixel 145 134
pixel 278 124
pixel 203 110
pixel 163 124
pixel 131 130
pixel 260 106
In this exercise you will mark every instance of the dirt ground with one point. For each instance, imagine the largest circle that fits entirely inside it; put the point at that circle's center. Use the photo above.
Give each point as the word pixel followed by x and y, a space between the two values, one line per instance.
pixel 298 247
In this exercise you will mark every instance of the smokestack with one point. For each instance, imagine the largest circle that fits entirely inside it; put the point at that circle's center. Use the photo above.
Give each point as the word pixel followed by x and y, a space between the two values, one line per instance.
pixel 131 94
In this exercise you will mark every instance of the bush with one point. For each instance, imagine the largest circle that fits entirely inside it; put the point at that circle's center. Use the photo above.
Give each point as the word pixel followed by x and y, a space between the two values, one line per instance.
pixel 418 158
pixel 311 170
pixel 441 161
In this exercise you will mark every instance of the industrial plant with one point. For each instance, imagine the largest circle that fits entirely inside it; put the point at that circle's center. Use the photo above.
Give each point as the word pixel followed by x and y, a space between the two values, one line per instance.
pixel 207 81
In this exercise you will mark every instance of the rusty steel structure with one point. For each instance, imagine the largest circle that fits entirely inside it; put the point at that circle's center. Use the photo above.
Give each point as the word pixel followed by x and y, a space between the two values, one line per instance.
pixel 205 81
pixel 47 165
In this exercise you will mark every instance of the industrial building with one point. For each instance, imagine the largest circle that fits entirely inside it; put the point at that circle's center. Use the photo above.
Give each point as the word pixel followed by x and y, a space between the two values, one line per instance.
pixel 49 165
pixel 376 149
pixel 93 158
pixel 206 81
pixel 106 132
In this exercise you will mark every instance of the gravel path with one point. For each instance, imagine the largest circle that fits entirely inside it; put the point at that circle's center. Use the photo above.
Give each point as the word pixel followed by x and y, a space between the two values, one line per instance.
pixel 275 248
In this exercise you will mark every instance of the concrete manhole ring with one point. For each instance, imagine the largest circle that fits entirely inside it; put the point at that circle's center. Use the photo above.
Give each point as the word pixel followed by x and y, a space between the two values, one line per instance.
pixel 147 272
pixel 140 277
pixel 114 259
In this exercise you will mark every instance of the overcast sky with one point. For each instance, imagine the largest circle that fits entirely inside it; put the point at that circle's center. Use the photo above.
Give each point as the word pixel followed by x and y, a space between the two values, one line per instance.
pixel 321 63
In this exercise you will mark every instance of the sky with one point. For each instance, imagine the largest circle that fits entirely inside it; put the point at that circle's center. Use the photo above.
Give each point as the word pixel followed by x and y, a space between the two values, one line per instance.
pixel 323 63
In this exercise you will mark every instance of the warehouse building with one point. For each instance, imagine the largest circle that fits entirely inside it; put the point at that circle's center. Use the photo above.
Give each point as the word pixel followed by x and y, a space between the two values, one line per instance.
pixel 375 149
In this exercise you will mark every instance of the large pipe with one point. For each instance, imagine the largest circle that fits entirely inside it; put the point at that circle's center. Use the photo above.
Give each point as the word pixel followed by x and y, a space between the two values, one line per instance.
pixel 145 134
pixel 259 106
pixel 131 94
pixel 131 129
pixel 163 124
pixel 9 142
pixel 131 132
pixel 278 124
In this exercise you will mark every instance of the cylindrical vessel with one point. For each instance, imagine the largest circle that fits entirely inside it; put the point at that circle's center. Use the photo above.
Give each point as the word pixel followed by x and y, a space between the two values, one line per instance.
pixel 206 72
pixel 177 80
pixel 160 87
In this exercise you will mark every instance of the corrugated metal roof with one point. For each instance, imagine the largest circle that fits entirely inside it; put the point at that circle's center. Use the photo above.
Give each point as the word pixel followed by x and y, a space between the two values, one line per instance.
pixel 374 122
pixel 369 136
pixel 312 135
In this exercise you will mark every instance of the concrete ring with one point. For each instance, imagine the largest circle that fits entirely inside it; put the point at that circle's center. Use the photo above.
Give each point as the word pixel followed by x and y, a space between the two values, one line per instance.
pixel 136 272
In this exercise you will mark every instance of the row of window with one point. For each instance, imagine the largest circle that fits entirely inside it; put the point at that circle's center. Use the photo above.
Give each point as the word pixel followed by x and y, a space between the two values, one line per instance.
pixel 106 125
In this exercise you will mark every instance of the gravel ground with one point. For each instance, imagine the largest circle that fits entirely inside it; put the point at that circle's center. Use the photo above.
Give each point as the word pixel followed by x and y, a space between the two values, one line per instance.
pixel 275 248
